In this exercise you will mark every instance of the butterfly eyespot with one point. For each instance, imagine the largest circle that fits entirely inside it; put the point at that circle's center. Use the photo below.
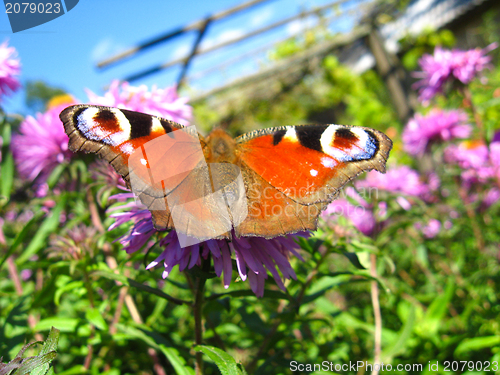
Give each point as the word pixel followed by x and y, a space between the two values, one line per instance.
pixel 313 172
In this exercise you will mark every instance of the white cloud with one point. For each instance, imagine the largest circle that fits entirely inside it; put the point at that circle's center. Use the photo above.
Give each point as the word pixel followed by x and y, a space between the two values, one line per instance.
pixel 261 17
pixel 105 48
pixel 300 25
pixel 181 51
pixel 222 37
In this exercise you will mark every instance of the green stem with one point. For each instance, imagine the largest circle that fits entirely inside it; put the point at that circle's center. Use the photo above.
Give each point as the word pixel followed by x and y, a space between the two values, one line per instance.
pixel 199 299
pixel 376 313
pixel 477 118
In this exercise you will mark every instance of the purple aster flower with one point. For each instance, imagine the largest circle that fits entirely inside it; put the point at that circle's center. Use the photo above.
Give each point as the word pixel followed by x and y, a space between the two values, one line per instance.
pixel 468 154
pixel 255 256
pixel 494 156
pixel 469 63
pixel 159 102
pixel 446 65
pixel 490 198
pixel 436 70
pixel 436 126
pixel 41 146
pixel 10 67
pixel 480 165
pixel 429 230
pixel 401 179
pixel 359 214
pixel 474 158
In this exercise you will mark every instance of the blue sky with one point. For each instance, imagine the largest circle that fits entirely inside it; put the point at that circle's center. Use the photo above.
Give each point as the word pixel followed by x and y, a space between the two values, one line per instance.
pixel 64 52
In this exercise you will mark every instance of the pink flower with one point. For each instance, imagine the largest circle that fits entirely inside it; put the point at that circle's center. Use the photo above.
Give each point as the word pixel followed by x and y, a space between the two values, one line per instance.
pixel 159 102
pixel 360 215
pixel 436 126
pixel 429 230
pixel 436 70
pixel 446 65
pixel 10 67
pixel 40 147
pixel 480 164
pixel 490 198
pixel 469 63
pixel 474 158
pixel 255 256
pixel 401 179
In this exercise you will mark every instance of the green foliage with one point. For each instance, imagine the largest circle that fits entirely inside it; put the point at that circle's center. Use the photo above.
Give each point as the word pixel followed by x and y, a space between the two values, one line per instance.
pixel 364 97
pixel 39 93
pixel 438 296
pixel 416 46
pixel 35 365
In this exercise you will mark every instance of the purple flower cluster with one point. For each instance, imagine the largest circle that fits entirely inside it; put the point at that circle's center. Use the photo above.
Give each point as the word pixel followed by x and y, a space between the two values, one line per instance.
pixel 436 126
pixel 429 230
pixel 355 208
pixel 401 181
pixel 10 68
pixel 480 164
pixel 446 65
pixel 255 256
pixel 159 102
pixel 40 147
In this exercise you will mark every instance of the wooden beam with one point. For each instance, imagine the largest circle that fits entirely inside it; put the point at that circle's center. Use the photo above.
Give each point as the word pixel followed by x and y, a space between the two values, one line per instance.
pixel 388 70
pixel 196 25
pixel 283 66
pixel 256 51
pixel 168 64
pixel 196 44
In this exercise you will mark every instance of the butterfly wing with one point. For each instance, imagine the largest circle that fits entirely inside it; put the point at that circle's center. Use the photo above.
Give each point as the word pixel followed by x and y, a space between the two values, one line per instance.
pixel 292 172
pixel 118 136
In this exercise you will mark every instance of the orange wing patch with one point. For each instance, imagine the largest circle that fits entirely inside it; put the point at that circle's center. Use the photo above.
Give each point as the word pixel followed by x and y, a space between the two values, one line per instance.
pixel 309 164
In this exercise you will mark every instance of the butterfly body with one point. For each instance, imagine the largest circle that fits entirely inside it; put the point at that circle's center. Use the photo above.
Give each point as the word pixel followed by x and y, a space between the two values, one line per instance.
pixel 287 175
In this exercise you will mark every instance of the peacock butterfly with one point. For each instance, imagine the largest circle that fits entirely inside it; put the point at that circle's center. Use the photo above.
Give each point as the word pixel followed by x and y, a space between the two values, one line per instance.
pixel 284 176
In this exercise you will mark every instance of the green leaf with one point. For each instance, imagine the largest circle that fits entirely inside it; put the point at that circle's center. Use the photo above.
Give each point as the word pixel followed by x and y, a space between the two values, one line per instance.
pixel 94 316
pixel 112 276
pixel 404 334
pixel 49 225
pixel 50 346
pixel 353 258
pixel 176 361
pixel 38 365
pixel 158 342
pixel 132 283
pixel 65 288
pixel 56 174
pixel 434 315
pixel 75 370
pixel 311 245
pixel 63 324
pixel 477 343
pixel 51 342
pixel 6 131
pixel 7 180
pixel 225 363
pixel 156 292
pixel 21 236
